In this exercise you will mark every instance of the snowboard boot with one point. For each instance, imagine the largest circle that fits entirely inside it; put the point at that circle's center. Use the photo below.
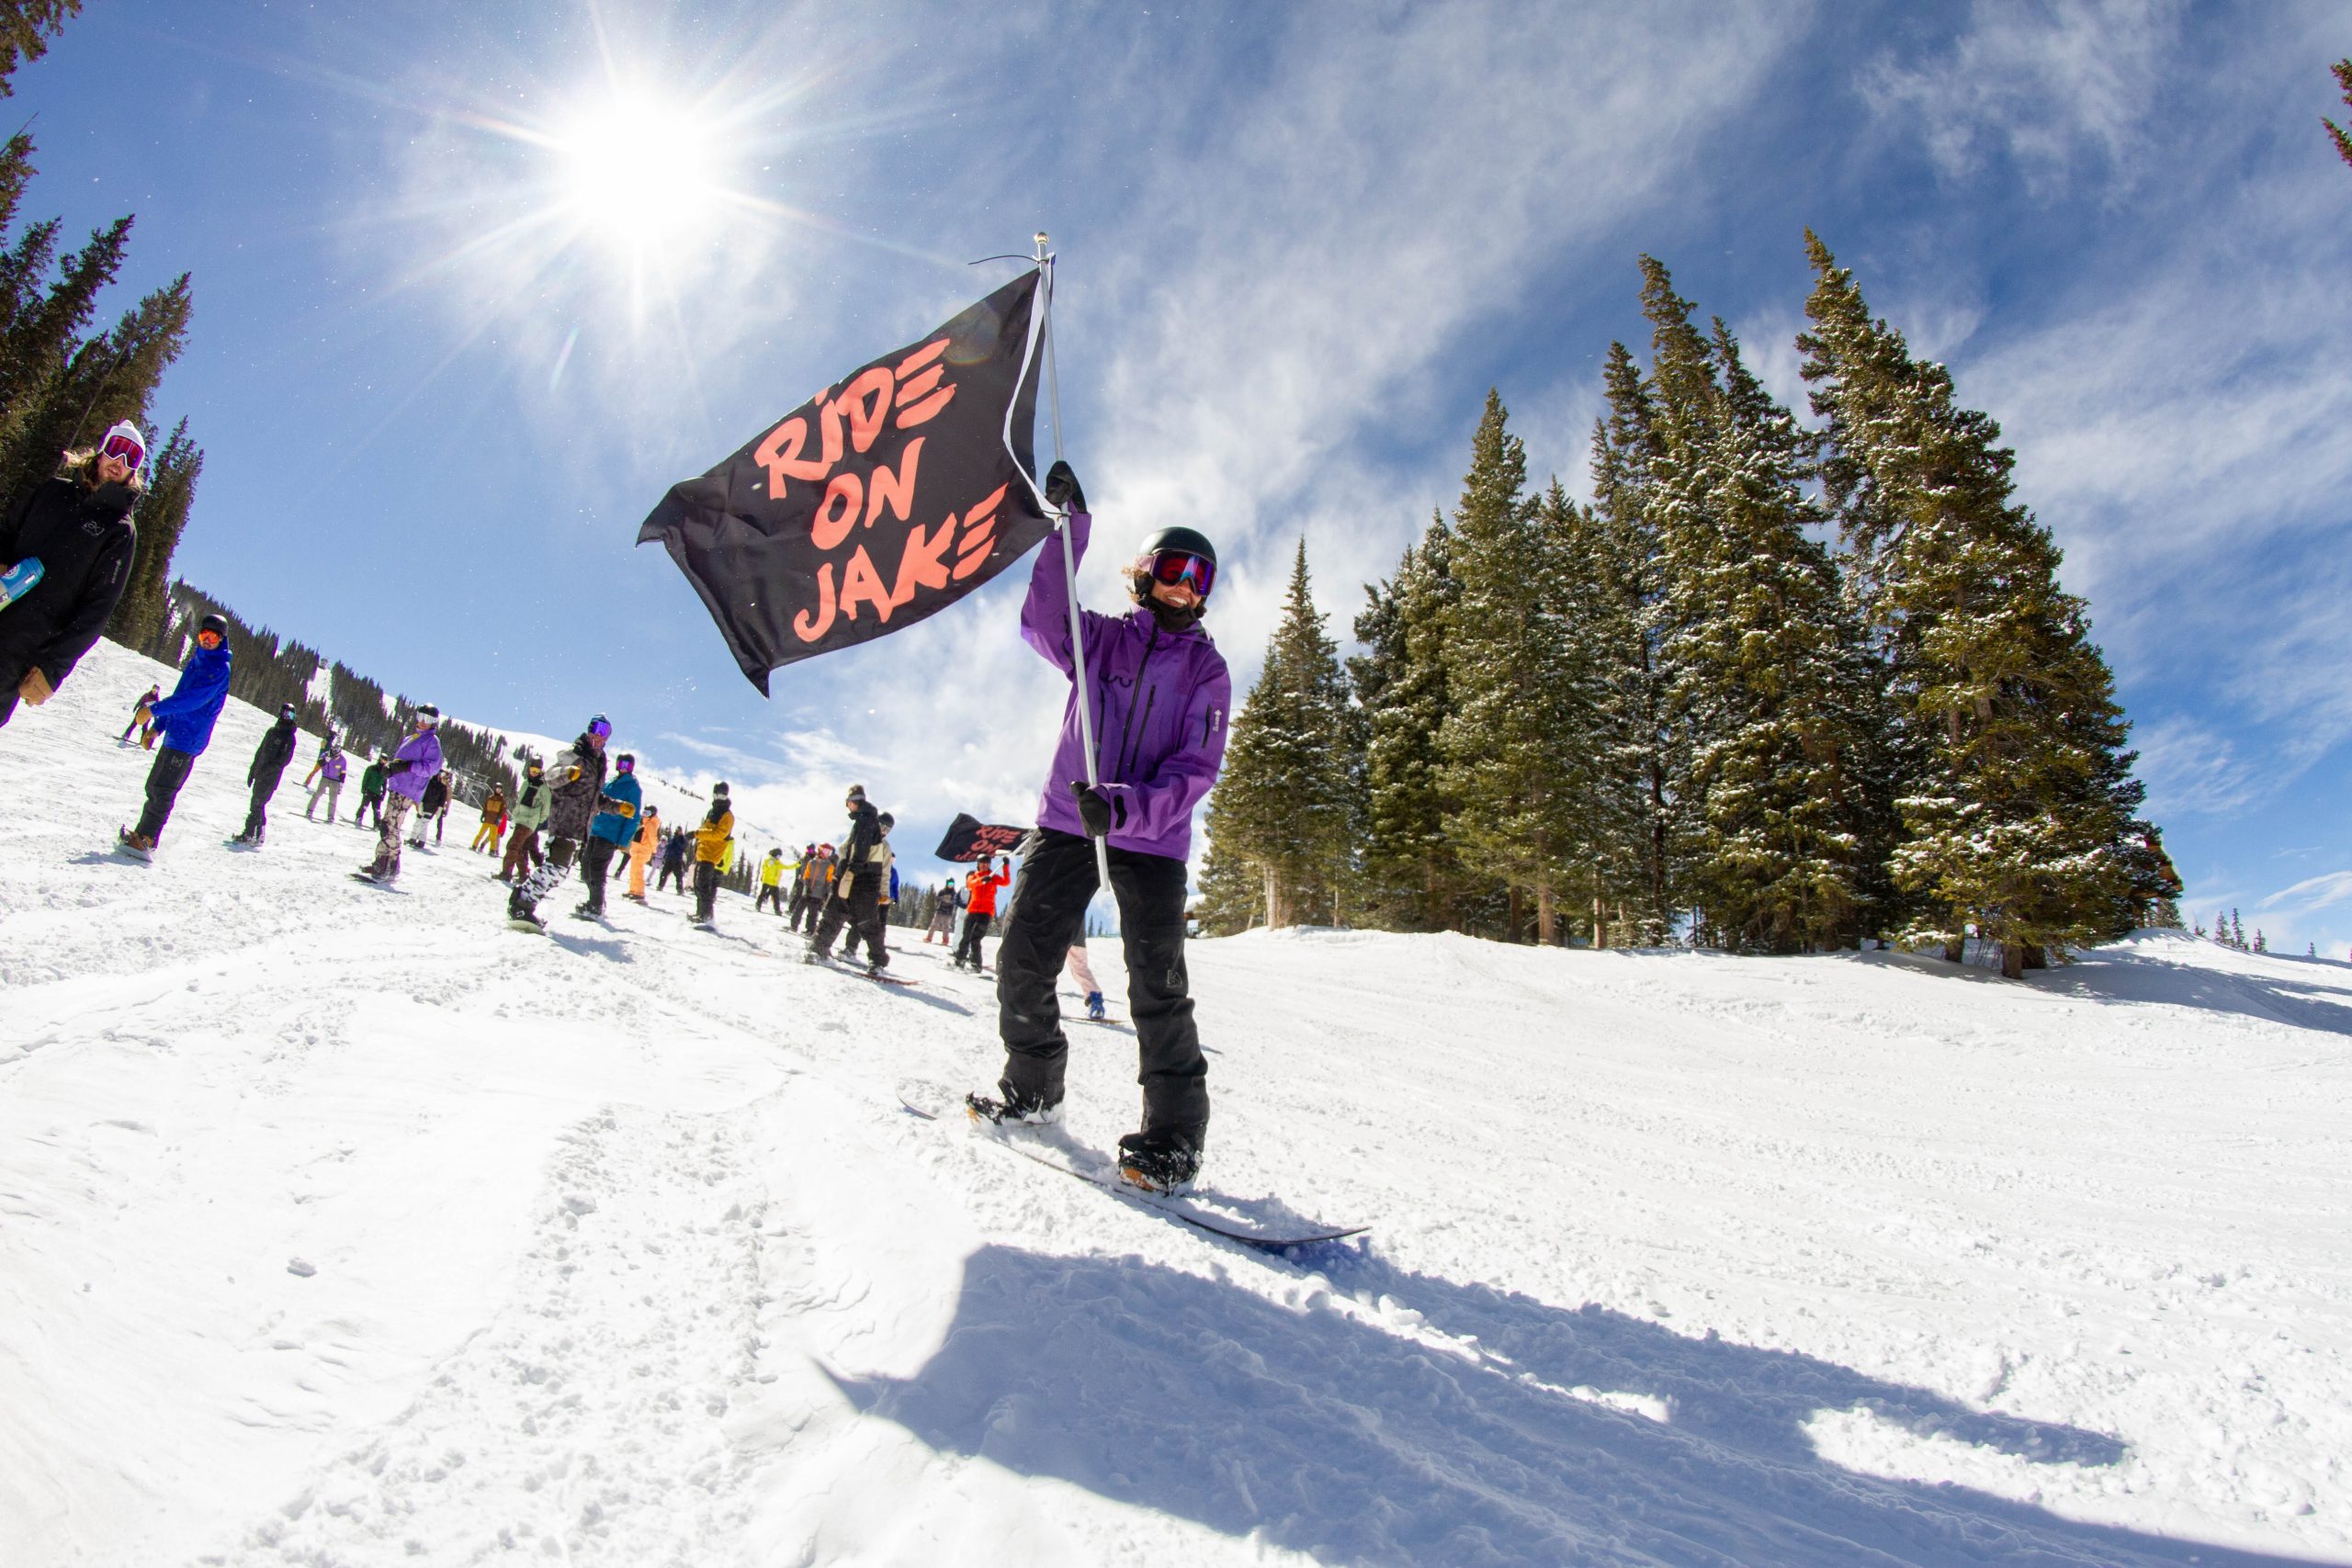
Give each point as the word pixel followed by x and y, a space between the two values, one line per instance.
pixel 1160 1161
pixel 1094 1006
pixel 1012 1108
pixel 138 845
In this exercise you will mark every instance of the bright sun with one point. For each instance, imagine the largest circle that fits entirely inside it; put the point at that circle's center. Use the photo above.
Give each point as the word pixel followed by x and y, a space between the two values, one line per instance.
pixel 638 172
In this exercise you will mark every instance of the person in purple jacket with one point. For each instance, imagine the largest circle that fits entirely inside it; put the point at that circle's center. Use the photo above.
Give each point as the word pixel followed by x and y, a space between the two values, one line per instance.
pixel 1160 694
pixel 411 768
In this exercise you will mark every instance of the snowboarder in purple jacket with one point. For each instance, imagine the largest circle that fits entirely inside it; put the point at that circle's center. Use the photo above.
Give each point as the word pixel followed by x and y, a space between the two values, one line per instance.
pixel 411 768
pixel 1160 695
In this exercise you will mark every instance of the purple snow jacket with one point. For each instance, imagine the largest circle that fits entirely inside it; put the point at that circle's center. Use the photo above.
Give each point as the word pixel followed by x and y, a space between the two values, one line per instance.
pixel 423 748
pixel 1160 700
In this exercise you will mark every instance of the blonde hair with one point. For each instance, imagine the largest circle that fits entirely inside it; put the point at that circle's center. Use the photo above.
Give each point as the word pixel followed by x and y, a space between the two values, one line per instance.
pixel 81 467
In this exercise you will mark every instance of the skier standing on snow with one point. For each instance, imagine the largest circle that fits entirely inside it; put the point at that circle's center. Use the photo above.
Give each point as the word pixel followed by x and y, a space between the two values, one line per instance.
pixel 522 855
pixel 433 807
pixel 858 881
pixel 414 766
pixel 140 715
pixel 1159 694
pixel 186 719
pixel 640 850
pixel 886 894
pixel 712 841
pixel 66 558
pixel 325 777
pixel 493 821
pixel 578 780
pixel 371 792
pixel 268 766
pixel 770 882
pixel 942 915
pixel 981 884
pixel 617 810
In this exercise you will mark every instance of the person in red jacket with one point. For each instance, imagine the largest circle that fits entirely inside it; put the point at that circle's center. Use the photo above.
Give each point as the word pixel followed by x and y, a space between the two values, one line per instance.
pixel 980 907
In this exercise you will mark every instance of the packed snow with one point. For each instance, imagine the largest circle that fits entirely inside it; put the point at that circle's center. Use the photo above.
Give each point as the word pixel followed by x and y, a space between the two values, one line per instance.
pixel 347 1227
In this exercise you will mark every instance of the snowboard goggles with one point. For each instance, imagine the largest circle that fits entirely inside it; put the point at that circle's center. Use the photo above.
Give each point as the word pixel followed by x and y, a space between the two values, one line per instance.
pixel 1172 567
pixel 601 729
pixel 215 638
pixel 122 443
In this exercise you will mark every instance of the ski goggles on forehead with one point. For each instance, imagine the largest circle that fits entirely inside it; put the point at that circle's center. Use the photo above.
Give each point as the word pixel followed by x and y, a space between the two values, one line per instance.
pixel 1172 567
pixel 126 447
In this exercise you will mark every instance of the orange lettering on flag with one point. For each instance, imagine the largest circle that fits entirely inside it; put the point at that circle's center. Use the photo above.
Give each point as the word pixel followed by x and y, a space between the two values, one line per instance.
pixel 780 454
pixel 924 564
pixel 867 398
pixel 837 512
pixel 930 406
pixel 922 356
pixel 861 584
pixel 802 627
pixel 896 490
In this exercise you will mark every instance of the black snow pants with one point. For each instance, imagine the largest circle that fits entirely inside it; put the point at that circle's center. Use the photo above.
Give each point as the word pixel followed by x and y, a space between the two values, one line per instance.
pixel 368 803
pixel 671 871
pixel 705 892
pixel 858 904
pixel 257 813
pixel 165 778
pixel 595 860
pixel 976 926
pixel 770 893
pixel 1057 878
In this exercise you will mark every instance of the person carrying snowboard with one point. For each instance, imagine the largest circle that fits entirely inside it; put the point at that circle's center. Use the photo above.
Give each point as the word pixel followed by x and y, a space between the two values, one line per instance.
pixel 522 855
pixel 326 778
pixel 770 882
pixel 185 720
pixel 140 716
pixel 64 559
pixel 615 820
pixel 981 884
pixel 268 766
pixel 640 850
pixel 858 881
pixel 712 841
pixel 1159 694
pixel 417 765
pixel 578 779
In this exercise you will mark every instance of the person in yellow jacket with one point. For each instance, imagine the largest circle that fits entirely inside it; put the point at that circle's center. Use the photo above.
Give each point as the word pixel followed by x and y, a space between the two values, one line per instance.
pixel 640 850
pixel 772 883
pixel 494 820
pixel 712 841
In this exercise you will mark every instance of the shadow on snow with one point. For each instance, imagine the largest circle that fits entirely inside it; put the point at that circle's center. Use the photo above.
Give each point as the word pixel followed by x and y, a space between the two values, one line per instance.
pixel 1317 1432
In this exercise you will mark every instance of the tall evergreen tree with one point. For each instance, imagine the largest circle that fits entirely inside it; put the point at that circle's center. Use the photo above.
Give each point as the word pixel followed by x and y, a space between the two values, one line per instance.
pixel 26 27
pixel 2020 798
pixel 1515 762
pixel 1413 873
pixel 1284 802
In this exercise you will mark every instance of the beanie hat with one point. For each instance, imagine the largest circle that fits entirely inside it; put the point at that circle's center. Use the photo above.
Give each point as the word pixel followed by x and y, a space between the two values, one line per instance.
pixel 719 789
pixel 857 792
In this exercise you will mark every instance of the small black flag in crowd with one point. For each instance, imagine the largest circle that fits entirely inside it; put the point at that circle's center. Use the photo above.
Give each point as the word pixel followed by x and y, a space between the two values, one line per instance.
pixel 882 500
pixel 969 839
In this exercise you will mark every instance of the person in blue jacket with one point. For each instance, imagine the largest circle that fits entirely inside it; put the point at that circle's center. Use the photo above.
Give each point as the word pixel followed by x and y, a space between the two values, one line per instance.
pixel 186 718
pixel 616 823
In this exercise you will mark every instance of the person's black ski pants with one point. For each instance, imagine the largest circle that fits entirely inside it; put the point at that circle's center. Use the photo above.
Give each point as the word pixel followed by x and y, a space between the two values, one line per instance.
pixel 1057 878
pixel 705 891
pixel 858 905
pixel 368 803
pixel 976 926
pixel 257 813
pixel 671 871
pixel 595 860
pixel 165 778
pixel 770 893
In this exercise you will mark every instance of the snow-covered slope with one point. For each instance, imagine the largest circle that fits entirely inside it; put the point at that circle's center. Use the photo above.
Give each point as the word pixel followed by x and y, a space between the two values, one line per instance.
pixel 347 1227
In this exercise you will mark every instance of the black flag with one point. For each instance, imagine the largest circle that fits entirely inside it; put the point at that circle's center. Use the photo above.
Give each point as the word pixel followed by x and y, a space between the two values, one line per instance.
pixel 883 499
pixel 969 839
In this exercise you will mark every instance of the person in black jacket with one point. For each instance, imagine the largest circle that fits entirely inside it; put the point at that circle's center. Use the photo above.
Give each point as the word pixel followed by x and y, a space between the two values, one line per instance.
pixel 78 526
pixel 574 783
pixel 857 885
pixel 277 750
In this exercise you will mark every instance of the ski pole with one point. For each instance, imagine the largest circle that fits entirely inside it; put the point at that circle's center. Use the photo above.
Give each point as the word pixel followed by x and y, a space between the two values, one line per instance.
pixel 1070 568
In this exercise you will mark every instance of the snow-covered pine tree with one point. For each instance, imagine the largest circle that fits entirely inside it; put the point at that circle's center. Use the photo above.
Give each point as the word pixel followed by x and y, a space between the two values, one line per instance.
pixel 1773 683
pixel 1515 761
pixel 1642 761
pixel 2017 813
pixel 1284 802
pixel 1413 875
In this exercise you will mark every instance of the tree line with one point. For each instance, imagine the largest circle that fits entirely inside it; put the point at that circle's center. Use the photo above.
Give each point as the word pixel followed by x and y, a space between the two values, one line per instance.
pixel 1774 689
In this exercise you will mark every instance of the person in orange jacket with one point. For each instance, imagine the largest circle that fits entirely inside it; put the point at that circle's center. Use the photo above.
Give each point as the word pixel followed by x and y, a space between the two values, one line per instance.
pixel 980 907
pixel 640 850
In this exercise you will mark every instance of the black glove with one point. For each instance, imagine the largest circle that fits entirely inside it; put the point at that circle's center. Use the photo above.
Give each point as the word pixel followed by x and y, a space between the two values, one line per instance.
pixel 1095 809
pixel 1061 487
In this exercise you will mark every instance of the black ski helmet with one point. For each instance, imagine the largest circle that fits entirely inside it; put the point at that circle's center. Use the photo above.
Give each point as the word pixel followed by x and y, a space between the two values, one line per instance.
pixel 719 789
pixel 286 710
pixel 1192 541
pixel 215 622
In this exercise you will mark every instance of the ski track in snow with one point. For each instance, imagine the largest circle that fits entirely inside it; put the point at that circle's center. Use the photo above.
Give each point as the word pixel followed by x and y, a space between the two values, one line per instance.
pixel 345 1227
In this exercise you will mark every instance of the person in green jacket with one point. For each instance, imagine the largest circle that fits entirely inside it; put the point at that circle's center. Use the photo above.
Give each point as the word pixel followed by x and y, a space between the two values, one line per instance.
pixel 528 812
pixel 371 794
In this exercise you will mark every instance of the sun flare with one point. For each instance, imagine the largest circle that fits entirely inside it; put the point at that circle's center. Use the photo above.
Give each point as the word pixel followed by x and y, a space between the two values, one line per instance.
pixel 637 171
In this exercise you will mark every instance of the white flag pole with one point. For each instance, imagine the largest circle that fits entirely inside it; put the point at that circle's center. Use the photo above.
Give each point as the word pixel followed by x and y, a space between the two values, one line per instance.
pixel 1070 566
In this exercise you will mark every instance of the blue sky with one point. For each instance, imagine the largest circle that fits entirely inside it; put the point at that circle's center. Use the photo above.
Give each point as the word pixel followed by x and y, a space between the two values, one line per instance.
pixel 437 390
